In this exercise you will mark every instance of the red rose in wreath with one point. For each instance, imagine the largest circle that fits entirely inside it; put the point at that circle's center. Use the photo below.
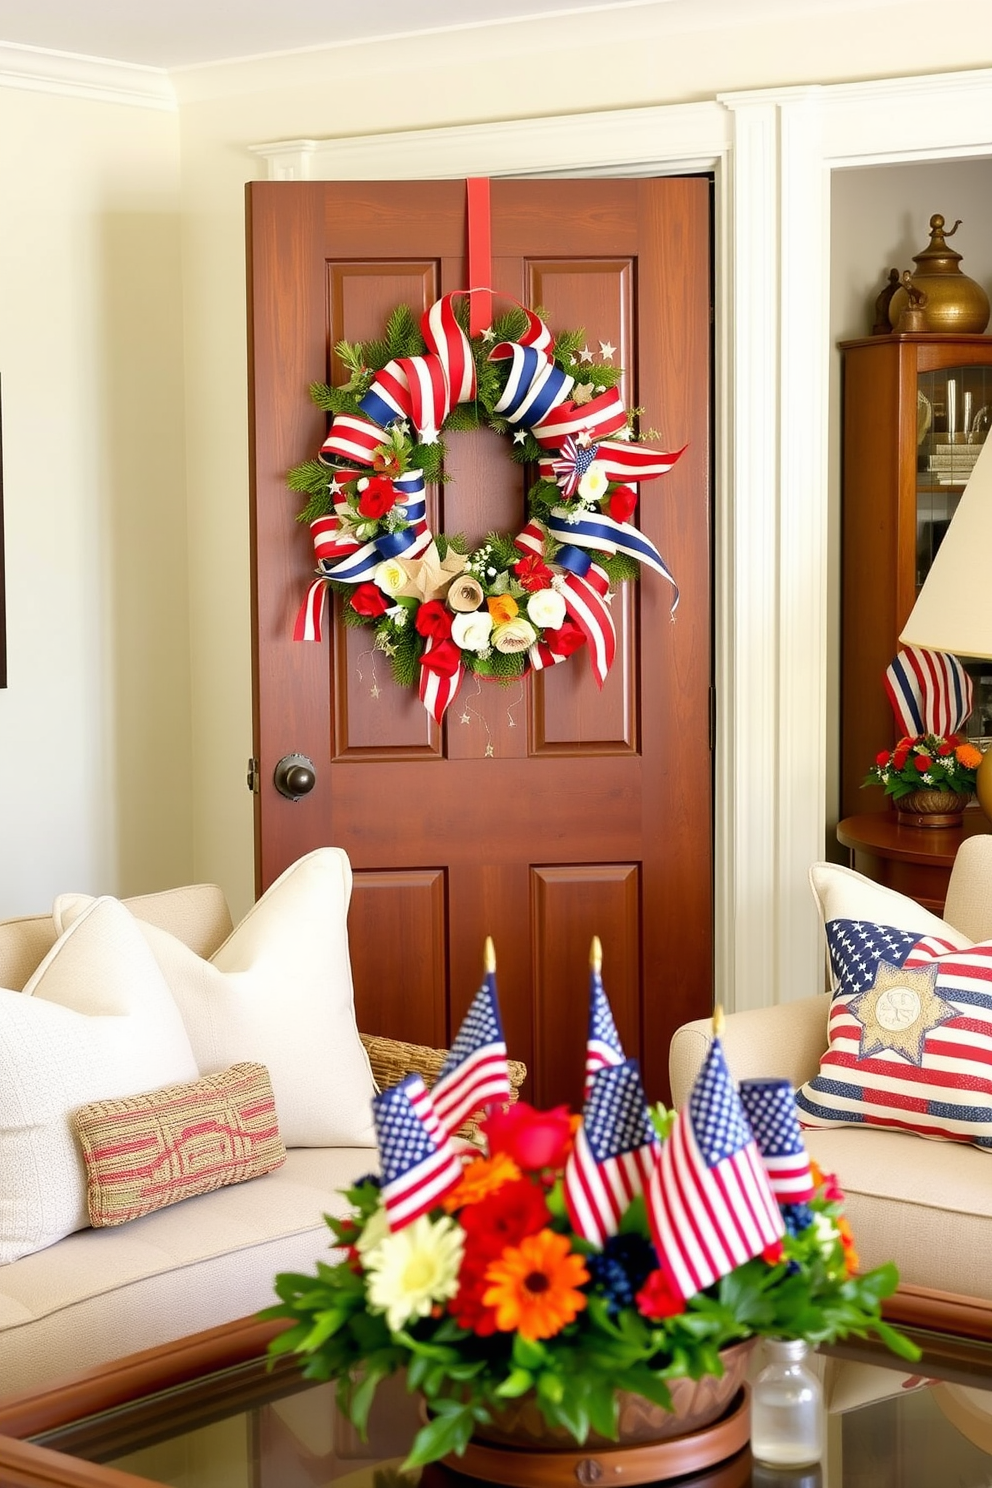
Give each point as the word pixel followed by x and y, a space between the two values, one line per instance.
pixel 434 620
pixel 368 600
pixel 377 497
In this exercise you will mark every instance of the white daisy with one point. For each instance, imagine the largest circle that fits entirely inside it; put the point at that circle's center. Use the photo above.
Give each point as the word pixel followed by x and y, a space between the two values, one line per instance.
pixel 411 1269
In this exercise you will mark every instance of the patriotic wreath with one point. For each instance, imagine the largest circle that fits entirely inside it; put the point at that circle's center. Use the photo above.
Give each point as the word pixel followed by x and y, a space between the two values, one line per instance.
pixel 518 601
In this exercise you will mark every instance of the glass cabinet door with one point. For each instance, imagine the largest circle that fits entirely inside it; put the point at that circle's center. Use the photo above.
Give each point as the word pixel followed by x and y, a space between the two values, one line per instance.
pixel 954 413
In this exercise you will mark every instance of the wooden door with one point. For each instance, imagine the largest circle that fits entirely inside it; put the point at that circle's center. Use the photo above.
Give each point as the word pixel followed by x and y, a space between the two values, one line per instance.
pixel 545 812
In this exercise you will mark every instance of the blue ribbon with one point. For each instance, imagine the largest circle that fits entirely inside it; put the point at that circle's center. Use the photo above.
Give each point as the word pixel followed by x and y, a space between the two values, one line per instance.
pixel 575 560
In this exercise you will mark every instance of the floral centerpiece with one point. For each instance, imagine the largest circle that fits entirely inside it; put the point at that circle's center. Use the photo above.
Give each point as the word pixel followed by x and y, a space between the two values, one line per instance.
pixel 926 762
pixel 569 1260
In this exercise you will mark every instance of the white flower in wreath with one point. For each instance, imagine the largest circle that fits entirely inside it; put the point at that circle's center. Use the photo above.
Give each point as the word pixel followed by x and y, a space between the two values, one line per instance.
pixel 390 577
pixel 514 635
pixel 546 608
pixel 592 486
pixel 471 630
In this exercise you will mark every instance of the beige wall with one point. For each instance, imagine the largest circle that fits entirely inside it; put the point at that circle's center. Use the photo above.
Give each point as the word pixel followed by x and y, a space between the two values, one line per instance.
pixel 141 739
pixel 95 720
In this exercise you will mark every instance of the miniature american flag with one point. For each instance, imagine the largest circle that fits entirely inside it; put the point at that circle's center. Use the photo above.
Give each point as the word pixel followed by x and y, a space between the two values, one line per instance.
pixel 603 1046
pixel 614 1153
pixel 709 1203
pixel 419 1165
pixel 770 1107
pixel 930 692
pixel 475 1074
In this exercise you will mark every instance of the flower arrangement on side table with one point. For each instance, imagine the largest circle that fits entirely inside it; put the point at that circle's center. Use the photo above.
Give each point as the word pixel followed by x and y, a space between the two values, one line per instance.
pixel 927 762
pixel 569 1259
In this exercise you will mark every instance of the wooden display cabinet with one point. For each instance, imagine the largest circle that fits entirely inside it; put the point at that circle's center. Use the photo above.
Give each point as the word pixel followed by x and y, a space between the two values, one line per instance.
pixel 907 454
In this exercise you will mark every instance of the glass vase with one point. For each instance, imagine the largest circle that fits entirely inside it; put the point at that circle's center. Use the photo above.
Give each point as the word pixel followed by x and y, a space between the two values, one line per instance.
pixel 786 1407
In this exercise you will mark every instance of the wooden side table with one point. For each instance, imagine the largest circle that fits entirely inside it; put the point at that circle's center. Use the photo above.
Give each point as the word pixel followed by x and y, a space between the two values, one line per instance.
pixel 915 861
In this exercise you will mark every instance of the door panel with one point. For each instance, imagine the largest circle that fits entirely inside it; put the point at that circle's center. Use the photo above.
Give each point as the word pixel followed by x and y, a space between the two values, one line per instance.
pixel 542 812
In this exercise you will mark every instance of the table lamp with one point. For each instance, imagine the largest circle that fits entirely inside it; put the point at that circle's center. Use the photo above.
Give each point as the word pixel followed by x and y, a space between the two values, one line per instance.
pixel 953 611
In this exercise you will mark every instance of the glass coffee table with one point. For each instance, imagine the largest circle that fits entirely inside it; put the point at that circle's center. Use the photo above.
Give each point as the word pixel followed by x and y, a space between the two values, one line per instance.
pixel 207 1412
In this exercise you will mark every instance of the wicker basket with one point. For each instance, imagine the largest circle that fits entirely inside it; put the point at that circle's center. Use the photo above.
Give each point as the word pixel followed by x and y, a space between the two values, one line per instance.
pixel 391 1060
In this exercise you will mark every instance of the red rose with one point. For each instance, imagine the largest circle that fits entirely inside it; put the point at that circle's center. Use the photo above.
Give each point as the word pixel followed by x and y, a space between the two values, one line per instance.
pixel 368 600
pixel 567 638
pixel 899 758
pixel 922 762
pixel 466 1306
pixel 445 659
pixel 882 757
pixel 945 749
pixel 377 498
pixel 434 620
pixel 533 572
pixel 503 1218
pixel 534 1139
pixel 658 1298
pixel 622 503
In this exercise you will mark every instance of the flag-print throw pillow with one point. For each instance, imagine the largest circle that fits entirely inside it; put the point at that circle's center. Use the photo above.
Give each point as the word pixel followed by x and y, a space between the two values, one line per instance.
pixel 910 1020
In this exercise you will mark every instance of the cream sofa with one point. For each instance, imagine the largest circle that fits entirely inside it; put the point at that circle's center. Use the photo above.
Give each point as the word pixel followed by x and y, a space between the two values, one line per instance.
pixel 96 1294
pixel 925 1204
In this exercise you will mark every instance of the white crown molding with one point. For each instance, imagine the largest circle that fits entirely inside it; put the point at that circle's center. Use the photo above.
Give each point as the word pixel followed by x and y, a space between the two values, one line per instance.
pixel 41 71
pixel 619 142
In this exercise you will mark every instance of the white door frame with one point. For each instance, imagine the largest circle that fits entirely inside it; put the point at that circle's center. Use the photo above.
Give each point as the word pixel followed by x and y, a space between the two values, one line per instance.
pixel 771 153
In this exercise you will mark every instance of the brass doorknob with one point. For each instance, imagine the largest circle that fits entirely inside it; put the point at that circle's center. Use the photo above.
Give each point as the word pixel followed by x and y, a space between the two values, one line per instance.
pixel 294 776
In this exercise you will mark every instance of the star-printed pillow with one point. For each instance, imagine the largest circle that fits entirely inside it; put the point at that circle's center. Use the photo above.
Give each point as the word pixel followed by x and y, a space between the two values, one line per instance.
pixel 910 1024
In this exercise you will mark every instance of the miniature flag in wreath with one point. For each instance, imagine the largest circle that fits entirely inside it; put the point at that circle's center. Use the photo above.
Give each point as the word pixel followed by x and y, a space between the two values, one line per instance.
pixel 475 1074
pixel 419 1162
pixel 770 1107
pixel 613 1155
pixel 603 1046
pixel 930 692
pixel 710 1205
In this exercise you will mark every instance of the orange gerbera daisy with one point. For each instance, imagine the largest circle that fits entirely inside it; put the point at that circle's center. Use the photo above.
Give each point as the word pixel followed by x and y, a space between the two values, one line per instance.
pixel 534 1286
pixel 481 1177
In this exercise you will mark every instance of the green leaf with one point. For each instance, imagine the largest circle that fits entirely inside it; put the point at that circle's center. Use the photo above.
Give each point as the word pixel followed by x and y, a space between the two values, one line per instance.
pixel 361 1400
pixel 444 1433
pixel 517 1382
pixel 896 1341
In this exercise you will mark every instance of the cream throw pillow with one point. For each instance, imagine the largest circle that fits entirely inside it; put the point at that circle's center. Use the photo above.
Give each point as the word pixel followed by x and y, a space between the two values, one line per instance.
pixel 96 1021
pixel 279 992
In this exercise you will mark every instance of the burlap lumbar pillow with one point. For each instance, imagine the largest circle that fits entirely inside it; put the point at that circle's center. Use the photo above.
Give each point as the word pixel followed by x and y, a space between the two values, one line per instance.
pixel 151 1150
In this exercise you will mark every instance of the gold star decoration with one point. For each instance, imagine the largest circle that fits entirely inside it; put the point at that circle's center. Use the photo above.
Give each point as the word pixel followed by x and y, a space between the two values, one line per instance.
pixel 606 350
pixel 428 576
pixel 582 392
pixel 898 1011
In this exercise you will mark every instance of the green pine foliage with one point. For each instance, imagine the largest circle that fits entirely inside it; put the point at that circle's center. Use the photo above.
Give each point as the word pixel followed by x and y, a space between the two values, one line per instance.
pixel 502 667
pixel 405 660
pixel 462 416
pixel 430 459
pixel 403 338
pixel 338 399
pixel 504 551
pixel 567 346
pixel 619 568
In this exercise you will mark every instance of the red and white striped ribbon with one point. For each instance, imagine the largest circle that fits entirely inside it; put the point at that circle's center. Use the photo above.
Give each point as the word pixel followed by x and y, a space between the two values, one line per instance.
pixel 437 691
pixel 585 600
pixel 599 418
pixel 424 389
pixel 352 437
pixel 623 462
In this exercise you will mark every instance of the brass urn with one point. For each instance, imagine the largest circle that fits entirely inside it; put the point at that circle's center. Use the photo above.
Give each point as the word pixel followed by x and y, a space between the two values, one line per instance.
pixel 953 302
